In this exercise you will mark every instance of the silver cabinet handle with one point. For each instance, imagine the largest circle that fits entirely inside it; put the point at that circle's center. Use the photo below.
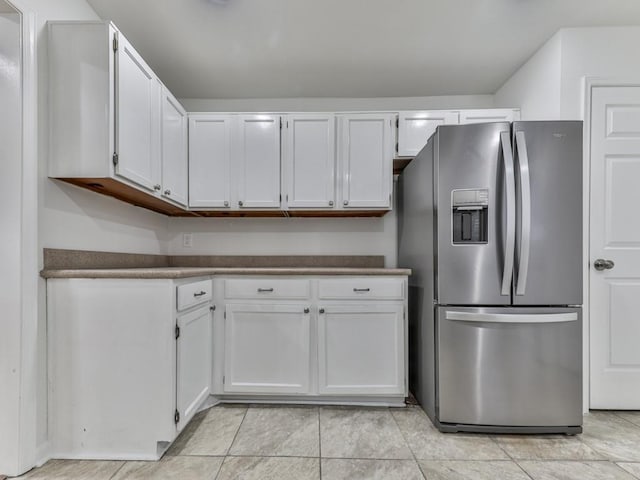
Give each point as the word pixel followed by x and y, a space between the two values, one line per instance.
pixel 240 203
pixel 167 192
pixel 361 289
pixel 265 290
pixel 199 294
pixel 157 187
pixel 346 202
pixel 331 203
pixel 602 264
pixel 306 310
pixel 321 310
pixel 212 308
pixel 226 204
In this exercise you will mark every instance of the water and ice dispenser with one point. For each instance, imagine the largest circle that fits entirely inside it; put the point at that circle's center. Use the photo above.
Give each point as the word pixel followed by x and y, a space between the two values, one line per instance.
pixel 470 214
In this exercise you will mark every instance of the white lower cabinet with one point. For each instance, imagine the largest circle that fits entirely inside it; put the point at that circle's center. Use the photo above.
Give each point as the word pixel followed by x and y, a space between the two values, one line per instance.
pixel 266 348
pixel 311 338
pixel 193 363
pixel 361 349
pixel 126 370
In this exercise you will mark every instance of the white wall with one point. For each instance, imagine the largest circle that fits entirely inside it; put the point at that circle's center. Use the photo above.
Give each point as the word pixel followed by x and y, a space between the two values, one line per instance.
pixel 10 238
pixel 609 52
pixel 535 87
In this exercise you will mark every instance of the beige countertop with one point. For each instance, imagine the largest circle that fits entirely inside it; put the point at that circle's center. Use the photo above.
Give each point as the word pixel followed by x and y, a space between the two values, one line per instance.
pixel 185 272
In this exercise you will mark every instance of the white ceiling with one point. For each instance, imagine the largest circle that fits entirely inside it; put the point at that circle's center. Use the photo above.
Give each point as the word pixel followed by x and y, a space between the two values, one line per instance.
pixel 346 48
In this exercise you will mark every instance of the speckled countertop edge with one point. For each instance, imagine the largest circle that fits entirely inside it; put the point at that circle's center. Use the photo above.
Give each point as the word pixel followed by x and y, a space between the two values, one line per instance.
pixel 185 272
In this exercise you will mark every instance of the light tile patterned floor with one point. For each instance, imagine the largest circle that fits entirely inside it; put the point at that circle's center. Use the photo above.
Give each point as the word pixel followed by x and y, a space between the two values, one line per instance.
pixel 336 443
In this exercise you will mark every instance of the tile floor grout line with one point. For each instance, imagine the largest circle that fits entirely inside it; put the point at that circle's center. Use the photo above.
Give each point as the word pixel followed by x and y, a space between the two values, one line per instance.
pixel 232 441
pixel 424 475
pixel 120 468
pixel 617 463
pixel 617 414
pixel 522 469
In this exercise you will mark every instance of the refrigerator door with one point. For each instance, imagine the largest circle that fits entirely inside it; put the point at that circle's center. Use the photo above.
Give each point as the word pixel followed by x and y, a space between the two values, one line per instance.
pixel 510 367
pixel 475 204
pixel 548 158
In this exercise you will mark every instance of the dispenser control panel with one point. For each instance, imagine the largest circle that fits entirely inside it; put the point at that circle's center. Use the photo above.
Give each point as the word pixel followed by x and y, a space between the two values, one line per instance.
pixel 470 214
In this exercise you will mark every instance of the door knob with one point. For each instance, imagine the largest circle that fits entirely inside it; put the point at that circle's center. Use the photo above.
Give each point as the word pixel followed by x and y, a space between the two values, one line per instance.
pixel 602 264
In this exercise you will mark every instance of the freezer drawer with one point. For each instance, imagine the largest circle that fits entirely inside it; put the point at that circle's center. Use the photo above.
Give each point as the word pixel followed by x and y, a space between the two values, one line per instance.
pixel 509 366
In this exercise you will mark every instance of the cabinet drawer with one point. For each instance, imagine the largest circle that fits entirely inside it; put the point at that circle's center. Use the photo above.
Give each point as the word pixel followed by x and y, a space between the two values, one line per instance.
pixel 194 294
pixel 358 288
pixel 266 288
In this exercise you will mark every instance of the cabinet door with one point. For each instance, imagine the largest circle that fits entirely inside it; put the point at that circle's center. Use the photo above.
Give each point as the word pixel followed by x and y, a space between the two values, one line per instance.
pixel 174 149
pixel 194 361
pixel 266 348
pixel 366 160
pixel 361 349
pixel 415 128
pixel 258 147
pixel 310 161
pixel 138 122
pixel 209 161
pixel 489 115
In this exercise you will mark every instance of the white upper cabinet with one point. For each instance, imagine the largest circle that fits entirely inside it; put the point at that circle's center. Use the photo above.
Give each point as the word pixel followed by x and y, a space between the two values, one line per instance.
pixel 138 110
pixel 113 126
pixel 366 160
pixel 415 128
pixel 257 155
pixel 309 160
pixel 489 115
pixel 209 161
pixel 175 160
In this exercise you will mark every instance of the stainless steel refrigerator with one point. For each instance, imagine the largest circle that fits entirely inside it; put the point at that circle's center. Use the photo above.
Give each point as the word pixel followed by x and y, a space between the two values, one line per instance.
pixel 490 222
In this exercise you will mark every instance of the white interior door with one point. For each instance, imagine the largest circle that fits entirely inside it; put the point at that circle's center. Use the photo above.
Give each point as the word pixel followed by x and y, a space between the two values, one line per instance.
pixel 615 237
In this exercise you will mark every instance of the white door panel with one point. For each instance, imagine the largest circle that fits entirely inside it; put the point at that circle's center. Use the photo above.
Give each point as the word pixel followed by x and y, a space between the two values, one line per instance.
pixel 366 160
pixel 310 161
pixel 415 128
pixel 489 115
pixel 194 362
pixel 138 124
pixel 209 161
pixel 258 159
pixel 615 236
pixel 174 149
pixel 361 349
pixel 266 348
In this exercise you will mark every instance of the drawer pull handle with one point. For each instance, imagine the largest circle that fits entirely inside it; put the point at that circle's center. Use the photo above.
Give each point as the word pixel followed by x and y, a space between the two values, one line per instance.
pixel 265 290
pixel 306 310
pixel 199 294
pixel 361 289
pixel 321 310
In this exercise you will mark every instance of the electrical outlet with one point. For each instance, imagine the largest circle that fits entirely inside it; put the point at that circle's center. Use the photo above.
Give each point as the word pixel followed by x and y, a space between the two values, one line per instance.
pixel 187 240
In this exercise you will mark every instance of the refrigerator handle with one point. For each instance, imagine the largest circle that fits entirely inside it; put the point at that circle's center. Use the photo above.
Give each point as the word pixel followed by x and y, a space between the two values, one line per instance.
pixel 512 317
pixel 509 249
pixel 525 219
